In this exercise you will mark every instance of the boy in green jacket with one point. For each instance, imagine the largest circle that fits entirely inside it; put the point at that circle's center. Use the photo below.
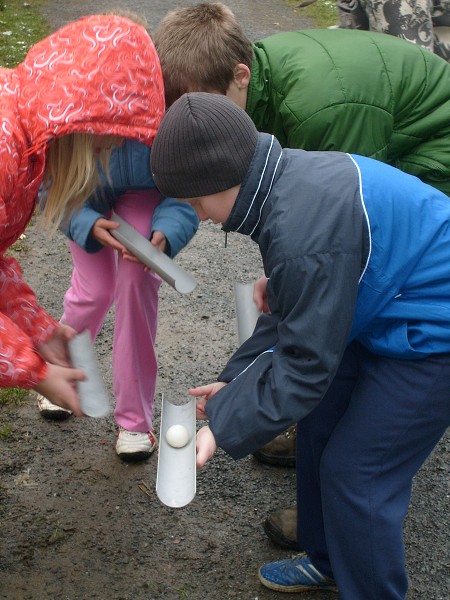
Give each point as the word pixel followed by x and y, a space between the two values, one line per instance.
pixel 353 91
pixel 318 89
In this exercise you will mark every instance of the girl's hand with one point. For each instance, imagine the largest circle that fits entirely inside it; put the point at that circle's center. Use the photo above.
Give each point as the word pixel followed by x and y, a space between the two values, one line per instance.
pixel 206 446
pixel 55 350
pixel 159 240
pixel 260 294
pixel 206 391
pixel 101 232
pixel 59 387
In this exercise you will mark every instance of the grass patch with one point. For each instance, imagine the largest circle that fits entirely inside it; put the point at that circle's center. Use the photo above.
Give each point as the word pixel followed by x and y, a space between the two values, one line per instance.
pixel 13 396
pixel 10 397
pixel 21 26
pixel 184 591
pixel 5 430
pixel 322 12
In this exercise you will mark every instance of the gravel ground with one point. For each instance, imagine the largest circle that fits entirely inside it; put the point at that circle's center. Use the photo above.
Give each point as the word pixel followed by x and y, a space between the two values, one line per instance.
pixel 75 521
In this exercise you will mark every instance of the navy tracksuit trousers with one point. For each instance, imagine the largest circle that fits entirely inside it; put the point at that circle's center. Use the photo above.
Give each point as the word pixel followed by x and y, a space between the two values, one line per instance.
pixel 357 454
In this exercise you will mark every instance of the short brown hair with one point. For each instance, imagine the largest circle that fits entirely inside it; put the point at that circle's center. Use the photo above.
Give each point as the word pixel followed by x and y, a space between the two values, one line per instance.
pixel 133 16
pixel 199 48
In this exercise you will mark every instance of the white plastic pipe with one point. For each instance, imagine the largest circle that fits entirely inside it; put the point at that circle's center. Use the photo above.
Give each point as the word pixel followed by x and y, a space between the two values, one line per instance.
pixel 246 311
pixel 176 472
pixel 94 399
pixel 152 257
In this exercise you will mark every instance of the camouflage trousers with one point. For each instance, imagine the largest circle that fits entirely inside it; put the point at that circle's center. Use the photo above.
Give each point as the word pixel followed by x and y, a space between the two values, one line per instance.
pixel 424 22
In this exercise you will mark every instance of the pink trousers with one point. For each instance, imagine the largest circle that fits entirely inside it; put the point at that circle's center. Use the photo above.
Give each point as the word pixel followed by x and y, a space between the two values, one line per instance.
pixel 104 279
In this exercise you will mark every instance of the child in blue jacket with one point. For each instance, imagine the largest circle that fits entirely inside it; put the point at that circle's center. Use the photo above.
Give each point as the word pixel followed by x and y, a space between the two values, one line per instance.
pixel 104 274
pixel 356 347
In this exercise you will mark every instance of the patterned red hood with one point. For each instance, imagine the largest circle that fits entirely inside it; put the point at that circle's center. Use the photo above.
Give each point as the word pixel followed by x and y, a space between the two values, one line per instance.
pixel 98 75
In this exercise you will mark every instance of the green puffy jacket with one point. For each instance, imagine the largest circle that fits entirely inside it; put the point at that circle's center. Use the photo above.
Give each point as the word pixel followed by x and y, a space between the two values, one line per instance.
pixel 355 91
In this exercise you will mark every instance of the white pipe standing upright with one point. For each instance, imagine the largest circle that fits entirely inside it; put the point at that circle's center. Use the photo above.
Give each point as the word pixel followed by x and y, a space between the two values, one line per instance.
pixel 246 311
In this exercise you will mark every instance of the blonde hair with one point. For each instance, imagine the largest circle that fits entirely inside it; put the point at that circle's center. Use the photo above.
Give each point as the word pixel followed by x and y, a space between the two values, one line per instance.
pixel 71 176
pixel 199 48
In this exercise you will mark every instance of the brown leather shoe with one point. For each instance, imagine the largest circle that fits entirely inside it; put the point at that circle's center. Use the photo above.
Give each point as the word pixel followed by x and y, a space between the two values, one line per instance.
pixel 280 451
pixel 281 527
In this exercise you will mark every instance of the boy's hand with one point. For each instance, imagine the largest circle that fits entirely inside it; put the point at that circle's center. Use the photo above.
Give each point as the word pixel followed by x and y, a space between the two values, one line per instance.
pixel 206 446
pixel 59 387
pixel 260 294
pixel 207 391
pixel 158 240
pixel 55 350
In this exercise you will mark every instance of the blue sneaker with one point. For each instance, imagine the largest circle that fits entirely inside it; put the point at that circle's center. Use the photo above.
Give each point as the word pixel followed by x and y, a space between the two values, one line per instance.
pixel 295 574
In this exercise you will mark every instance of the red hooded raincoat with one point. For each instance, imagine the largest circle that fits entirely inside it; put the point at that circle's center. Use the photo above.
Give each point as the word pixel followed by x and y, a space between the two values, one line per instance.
pixel 98 75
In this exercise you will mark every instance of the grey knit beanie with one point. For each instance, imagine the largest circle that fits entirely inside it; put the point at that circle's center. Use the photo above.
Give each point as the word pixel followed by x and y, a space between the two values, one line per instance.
pixel 204 145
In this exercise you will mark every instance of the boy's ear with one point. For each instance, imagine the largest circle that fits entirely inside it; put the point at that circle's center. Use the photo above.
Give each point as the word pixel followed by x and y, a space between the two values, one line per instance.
pixel 241 76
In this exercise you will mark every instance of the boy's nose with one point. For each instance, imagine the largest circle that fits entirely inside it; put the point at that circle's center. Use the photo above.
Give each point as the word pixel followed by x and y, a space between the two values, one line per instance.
pixel 201 214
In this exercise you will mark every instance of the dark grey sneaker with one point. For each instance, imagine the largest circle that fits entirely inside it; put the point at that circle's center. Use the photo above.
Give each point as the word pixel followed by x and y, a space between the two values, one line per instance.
pixel 281 527
pixel 280 451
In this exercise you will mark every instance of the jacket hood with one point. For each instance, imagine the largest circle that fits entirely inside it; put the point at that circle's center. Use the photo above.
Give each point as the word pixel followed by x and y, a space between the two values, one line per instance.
pixel 99 75
pixel 247 214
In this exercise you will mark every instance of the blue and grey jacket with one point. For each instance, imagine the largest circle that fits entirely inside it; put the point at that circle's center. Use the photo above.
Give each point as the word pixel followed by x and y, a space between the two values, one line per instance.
pixel 130 170
pixel 354 250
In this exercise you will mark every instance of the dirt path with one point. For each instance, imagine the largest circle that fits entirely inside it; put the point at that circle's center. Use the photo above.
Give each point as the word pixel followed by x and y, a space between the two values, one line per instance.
pixel 77 524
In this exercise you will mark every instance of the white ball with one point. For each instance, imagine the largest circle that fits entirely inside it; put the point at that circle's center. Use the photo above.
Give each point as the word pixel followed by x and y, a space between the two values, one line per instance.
pixel 177 436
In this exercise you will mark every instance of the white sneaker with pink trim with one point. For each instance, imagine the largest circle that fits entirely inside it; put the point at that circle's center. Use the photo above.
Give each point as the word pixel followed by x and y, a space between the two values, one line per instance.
pixel 135 446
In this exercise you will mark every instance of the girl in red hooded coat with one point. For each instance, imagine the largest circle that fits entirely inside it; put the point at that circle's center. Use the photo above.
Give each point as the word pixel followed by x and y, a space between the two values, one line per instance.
pixel 99 76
